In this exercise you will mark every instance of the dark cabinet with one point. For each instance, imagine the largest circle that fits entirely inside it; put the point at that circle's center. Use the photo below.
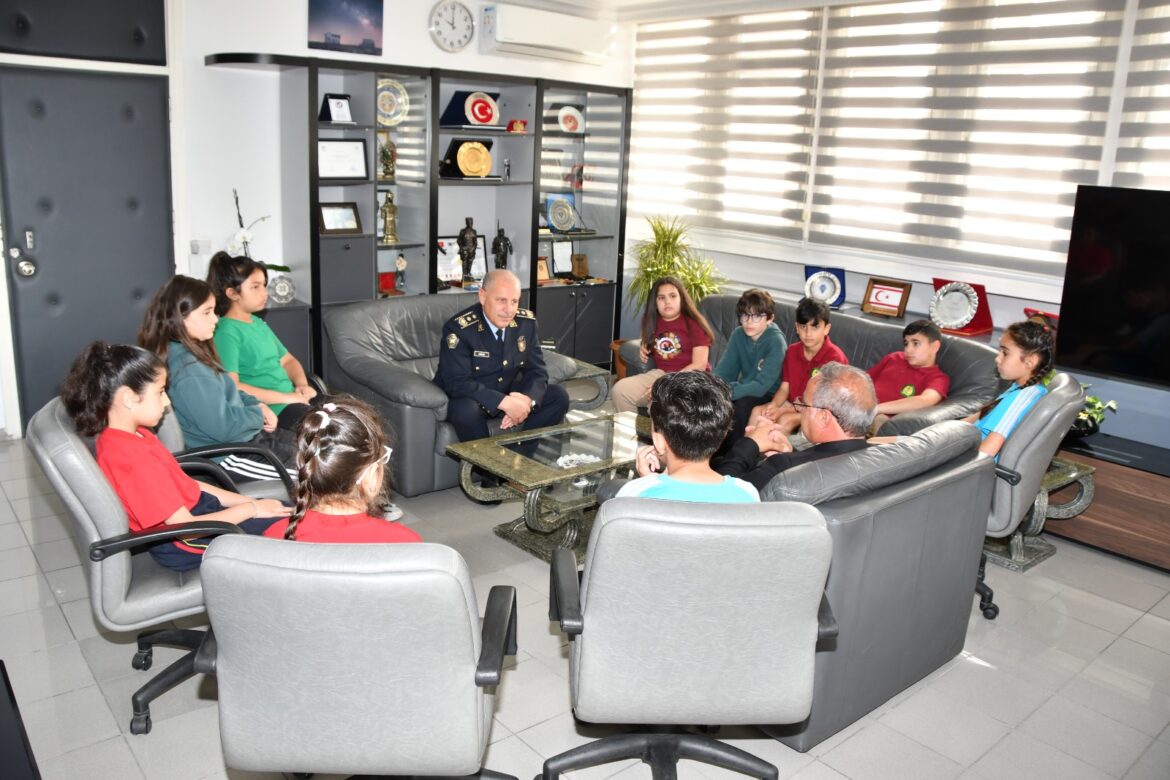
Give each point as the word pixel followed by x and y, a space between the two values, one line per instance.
pixel 579 318
pixel 347 269
pixel 290 322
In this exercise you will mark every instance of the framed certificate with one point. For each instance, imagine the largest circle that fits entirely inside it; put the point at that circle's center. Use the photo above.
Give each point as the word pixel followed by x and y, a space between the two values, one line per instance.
pixel 337 219
pixel 886 297
pixel 335 108
pixel 341 159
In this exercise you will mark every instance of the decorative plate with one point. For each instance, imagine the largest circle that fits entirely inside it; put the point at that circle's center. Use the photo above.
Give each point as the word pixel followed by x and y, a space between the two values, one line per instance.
pixel 822 286
pixel 473 159
pixel 954 305
pixel 281 288
pixel 393 102
pixel 571 120
pixel 481 109
pixel 560 215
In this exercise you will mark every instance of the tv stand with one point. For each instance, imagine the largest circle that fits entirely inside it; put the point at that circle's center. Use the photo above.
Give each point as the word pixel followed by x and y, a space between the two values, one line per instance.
pixel 1124 452
pixel 1130 511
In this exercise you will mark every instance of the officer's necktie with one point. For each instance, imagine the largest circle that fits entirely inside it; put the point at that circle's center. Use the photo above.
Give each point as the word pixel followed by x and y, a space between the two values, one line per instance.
pixel 500 337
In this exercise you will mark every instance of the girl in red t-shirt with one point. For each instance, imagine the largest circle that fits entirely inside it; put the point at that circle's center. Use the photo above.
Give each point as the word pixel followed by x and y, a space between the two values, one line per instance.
pixel 118 393
pixel 342 456
pixel 675 333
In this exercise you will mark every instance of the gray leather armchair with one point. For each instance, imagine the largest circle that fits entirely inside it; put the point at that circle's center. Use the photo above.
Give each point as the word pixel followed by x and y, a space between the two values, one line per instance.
pixel 386 352
pixel 691 614
pixel 128 591
pixel 907 522
pixel 352 658
pixel 1019 505
pixel 866 340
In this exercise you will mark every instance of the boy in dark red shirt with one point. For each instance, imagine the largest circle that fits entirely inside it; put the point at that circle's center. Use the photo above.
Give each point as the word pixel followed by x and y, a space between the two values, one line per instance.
pixel 803 359
pixel 910 379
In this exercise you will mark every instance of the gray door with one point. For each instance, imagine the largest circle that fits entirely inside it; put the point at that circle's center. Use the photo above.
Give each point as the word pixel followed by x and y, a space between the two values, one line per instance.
pixel 85 171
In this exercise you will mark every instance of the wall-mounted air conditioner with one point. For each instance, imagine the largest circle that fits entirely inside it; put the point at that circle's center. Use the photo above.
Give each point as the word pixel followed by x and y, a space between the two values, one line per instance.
pixel 513 29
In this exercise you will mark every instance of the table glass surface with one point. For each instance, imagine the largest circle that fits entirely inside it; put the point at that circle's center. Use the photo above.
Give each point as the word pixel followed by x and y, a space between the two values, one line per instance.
pixel 530 458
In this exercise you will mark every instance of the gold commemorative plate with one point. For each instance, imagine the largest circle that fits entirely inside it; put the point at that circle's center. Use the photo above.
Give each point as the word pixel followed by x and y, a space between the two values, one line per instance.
pixel 393 102
pixel 474 159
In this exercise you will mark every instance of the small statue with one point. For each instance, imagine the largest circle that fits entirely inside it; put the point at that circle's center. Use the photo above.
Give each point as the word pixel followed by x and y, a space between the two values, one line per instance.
pixel 507 169
pixel 501 248
pixel 389 220
pixel 400 272
pixel 467 241
pixel 388 154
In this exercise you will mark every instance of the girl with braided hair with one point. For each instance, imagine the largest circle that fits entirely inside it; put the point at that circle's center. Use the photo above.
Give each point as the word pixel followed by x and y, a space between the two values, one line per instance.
pixel 118 393
pixel 1025 359
pixel 342 455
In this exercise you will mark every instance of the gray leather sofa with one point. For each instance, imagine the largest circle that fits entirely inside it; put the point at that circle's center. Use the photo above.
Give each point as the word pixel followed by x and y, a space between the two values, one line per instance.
pixel 866 340
pixel 907 522
pixel 386 352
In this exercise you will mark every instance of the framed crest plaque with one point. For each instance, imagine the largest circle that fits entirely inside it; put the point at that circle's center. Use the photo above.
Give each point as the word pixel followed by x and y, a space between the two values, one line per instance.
pixel 886 297
pixel 825 284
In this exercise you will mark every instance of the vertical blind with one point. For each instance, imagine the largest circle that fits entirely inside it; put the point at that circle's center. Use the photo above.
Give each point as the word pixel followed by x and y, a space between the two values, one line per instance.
pixel 943 129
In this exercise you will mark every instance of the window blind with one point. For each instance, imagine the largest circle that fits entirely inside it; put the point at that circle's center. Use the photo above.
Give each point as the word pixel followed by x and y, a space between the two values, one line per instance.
pixel 1143 145
pixel 723 119
pixel 953 130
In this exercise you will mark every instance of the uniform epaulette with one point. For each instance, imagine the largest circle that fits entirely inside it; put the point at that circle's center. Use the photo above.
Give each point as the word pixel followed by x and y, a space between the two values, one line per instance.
pixel 526 314
pixel 467 320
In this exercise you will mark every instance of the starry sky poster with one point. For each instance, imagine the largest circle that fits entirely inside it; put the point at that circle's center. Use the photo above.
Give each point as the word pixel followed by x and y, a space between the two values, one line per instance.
pixel 346 25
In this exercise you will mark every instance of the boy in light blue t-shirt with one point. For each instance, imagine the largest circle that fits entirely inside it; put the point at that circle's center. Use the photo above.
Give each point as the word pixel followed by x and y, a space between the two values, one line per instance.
pixel 690 413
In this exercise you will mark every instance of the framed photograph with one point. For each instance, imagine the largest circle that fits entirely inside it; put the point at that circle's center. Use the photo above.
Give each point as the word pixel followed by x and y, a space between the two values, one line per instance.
pixel 450 246
pixel 353 26
pixel 886 297
pixel 338 219
pixel 335 108
pixel 342 159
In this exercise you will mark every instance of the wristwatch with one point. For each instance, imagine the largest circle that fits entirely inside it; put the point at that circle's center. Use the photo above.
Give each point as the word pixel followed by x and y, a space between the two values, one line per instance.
pixel 532 406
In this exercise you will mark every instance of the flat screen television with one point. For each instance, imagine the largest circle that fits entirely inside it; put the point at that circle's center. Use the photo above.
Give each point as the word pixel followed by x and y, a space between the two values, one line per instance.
pixel 1115 310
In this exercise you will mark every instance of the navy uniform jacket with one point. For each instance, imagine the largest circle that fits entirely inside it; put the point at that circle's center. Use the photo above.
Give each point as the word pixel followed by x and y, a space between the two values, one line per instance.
pixel 471 363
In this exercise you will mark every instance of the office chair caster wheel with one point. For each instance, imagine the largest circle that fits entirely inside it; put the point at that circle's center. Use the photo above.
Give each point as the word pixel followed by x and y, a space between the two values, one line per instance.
pixel 142 659
pixel 991 612
pixel 140 724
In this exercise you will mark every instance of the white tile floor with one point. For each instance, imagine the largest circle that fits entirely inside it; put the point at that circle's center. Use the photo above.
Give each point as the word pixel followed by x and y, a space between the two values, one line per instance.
pixel 1072 680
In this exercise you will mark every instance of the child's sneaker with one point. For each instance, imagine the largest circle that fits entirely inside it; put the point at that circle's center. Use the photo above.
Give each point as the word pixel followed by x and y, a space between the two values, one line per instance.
pixel 392 513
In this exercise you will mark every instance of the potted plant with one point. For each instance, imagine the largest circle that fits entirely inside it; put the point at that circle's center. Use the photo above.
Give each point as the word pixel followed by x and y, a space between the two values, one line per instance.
pixel 1092 414
pixel 668 253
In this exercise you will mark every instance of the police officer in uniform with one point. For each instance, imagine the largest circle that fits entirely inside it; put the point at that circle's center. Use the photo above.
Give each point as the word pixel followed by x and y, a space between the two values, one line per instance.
pixel 491 365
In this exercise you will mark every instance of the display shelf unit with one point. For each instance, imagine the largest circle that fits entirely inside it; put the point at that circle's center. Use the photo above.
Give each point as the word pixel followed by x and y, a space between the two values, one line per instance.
pixel 527 168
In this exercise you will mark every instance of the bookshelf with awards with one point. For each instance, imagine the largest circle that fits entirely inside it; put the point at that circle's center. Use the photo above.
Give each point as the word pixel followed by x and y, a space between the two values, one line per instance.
pixel 396 160
pixel 584 137
pixel 485 153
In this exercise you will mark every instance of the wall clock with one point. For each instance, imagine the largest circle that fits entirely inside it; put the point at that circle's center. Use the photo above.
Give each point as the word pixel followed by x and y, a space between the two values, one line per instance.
pixel 451 25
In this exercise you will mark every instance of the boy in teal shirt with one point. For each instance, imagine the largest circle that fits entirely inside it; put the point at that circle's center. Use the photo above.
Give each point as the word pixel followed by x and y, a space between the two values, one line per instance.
pixel 751 363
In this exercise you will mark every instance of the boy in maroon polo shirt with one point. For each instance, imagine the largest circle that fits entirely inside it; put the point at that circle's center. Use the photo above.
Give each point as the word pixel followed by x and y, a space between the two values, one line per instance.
pixel 910 379
pixel 803 359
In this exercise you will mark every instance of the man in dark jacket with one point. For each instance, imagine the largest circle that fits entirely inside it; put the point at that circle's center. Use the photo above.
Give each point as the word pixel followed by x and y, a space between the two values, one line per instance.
pixel 491 365
pixel 840 407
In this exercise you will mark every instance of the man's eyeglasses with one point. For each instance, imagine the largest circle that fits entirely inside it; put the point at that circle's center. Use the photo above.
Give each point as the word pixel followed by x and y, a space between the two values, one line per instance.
pixel 386 452
pixel 746 318
pixel 802 405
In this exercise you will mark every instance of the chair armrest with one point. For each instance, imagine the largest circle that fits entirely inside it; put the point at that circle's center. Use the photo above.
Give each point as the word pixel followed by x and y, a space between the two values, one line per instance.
pixel 196 466
pixel 498 637
pixel 564 592
pixel 317 383
pixel 827 626
pixel 206 653
pixel 238 448
pixel 104 548
pixel 394 383
pixel 1011 476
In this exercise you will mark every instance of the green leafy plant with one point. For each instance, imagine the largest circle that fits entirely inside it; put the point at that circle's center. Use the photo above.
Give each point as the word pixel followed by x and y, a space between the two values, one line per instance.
pixel 668 253
pixel 1094 408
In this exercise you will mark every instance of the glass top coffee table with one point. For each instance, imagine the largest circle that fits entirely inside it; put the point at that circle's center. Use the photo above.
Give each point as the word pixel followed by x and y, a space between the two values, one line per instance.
pixel 555 471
